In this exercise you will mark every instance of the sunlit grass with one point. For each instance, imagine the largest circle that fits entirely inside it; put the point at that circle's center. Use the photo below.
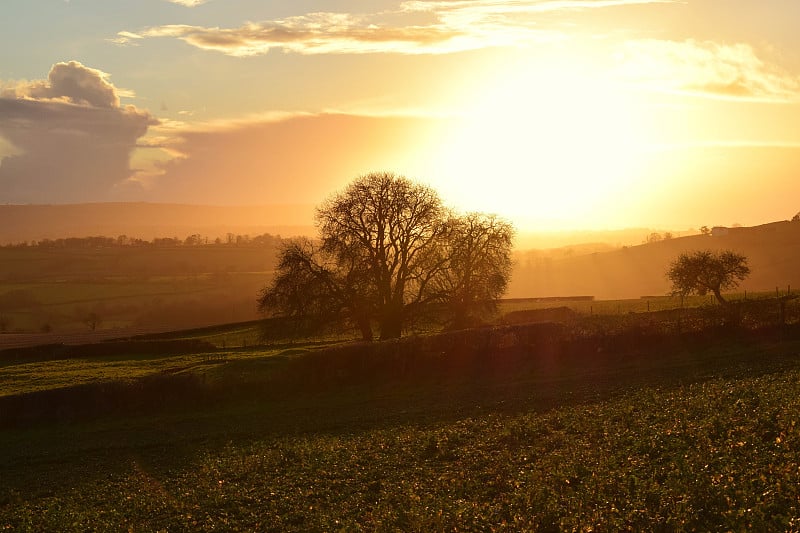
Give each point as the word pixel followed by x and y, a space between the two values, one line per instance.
pixel 716 454
pixel 21 377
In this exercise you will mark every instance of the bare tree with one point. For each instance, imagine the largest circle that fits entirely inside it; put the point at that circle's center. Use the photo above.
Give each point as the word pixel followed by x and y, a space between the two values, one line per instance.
pixel 654 237
pixel 704 271
pixel 93 320
pixel 478 247
pixel 392 225
pixel 388 249
pixel 316 292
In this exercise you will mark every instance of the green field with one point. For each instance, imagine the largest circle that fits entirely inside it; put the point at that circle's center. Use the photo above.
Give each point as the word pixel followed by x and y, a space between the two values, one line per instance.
pixel 705 436
pixel 129 287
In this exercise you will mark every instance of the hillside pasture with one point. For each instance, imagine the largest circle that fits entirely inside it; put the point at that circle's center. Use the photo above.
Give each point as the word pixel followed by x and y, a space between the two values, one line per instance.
pixel 159 287
pixel 700 434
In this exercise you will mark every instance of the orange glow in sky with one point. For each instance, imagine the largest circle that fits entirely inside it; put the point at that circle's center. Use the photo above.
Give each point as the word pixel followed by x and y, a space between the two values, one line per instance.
pixel 556 114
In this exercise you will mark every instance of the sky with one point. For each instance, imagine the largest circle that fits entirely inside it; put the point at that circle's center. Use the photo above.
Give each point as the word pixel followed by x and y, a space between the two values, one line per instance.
pixel 556 114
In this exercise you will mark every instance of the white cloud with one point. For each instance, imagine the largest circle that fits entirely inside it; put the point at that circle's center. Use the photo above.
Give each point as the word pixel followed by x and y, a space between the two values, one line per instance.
pixel 188 3
pixel 72 82
pixel 71 139
pixel 708 69
pixel 457 25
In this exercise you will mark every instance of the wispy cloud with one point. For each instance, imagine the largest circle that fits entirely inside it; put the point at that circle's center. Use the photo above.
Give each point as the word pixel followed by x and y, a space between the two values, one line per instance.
pixel 492 7
pixel 188 3
pixel 707 69
pixel 451 26
pixel 320 33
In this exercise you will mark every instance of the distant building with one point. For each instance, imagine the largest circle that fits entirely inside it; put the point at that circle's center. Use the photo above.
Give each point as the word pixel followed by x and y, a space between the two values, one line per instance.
pixel 719 231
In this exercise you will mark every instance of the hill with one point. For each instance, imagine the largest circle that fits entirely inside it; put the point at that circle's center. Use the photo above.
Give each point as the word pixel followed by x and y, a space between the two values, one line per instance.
pixel 773 251
pixel 19 223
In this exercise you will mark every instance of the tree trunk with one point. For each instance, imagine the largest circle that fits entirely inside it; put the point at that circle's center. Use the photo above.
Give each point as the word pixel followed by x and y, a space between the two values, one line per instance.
pixel 365 327
pixel 391 324
pixel 720 299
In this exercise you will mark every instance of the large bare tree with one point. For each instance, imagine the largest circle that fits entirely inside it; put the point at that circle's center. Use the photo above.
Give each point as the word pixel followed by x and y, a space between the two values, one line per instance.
pixel 387 249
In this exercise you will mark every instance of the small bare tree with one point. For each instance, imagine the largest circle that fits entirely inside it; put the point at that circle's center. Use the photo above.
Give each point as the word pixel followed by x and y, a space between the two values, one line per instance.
pixel 704 271
pixel 93 320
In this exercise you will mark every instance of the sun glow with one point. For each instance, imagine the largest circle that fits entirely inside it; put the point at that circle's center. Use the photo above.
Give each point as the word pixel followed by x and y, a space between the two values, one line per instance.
pixel 551 147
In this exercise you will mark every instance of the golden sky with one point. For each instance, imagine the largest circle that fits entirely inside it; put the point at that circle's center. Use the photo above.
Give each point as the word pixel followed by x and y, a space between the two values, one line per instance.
pixel 557 114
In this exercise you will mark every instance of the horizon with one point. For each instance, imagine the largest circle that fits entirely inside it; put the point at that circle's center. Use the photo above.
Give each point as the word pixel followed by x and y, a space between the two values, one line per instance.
pixel 558 116
pixel 175 220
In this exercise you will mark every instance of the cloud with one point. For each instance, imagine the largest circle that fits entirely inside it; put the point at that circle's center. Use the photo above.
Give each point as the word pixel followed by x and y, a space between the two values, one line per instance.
pixel 494 7
pixel 450 26
pixel 71 139
pixel 75 83
pixel 188 3
pixel 707 69
pixel 319 33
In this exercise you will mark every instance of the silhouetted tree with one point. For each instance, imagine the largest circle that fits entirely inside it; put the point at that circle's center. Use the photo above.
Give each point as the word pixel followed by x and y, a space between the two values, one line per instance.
pixel 316 292
pixel 654 237
pixel 705 230
pixel 93 320
pixel 388 249
pixel 704 271
pixel 478 267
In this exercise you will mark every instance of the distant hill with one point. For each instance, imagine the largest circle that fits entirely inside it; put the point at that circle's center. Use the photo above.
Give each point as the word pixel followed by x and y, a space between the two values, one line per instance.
pixel 20 223
pixel 773 251
pixel 611 238
pixel 593 262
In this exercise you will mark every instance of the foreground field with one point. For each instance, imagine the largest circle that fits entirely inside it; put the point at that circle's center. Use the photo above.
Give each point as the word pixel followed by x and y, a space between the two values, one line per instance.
pixel 702 438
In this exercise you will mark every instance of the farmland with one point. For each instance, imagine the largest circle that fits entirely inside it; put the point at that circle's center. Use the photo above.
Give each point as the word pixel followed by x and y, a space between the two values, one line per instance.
pixel 700 432
pixel 646 413
pixel 128 287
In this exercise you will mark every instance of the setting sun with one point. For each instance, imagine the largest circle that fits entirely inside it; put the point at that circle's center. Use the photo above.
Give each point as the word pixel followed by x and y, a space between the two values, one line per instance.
pixel 557 115
pixel 544 147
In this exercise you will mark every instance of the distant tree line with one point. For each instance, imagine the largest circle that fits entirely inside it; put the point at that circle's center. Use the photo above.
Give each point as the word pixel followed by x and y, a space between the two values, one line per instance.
pixel 230 239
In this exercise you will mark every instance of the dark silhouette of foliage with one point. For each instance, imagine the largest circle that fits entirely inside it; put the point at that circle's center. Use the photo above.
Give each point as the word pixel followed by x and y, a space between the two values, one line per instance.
pixel 388 250
pixel 478 267
pixel 93 320
pixel 316 292
pixel 704 271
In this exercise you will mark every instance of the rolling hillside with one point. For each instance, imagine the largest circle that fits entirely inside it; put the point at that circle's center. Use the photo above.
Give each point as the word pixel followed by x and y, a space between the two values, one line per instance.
pixel 773 251
pixel 19 223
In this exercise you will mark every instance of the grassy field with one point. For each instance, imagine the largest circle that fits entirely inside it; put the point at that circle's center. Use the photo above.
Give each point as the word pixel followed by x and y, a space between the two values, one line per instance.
pixel 704 437
pixel 130 286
